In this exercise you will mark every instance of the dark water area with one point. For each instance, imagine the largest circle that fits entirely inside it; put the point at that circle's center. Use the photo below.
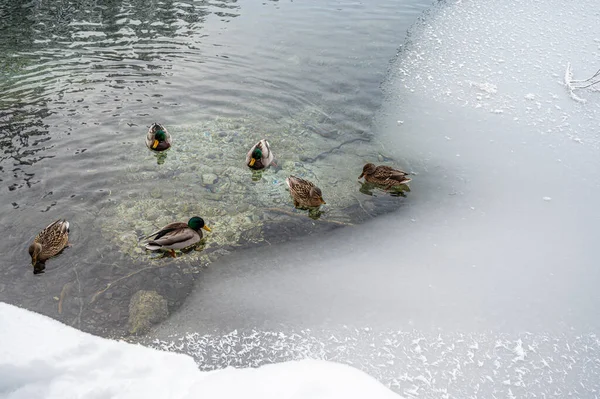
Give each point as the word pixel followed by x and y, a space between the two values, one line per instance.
pixel 82 81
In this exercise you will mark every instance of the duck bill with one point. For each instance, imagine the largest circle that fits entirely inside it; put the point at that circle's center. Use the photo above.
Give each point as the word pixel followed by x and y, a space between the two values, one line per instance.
pixel 361 175
pixel 252 162
pixel 206 228
pixel 155 144
pixel 323 201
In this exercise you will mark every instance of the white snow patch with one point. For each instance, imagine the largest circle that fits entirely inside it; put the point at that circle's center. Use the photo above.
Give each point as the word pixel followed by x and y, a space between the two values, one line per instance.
pixel 42 358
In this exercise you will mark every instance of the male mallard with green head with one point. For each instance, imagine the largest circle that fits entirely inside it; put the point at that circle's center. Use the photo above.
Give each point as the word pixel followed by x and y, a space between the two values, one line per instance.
pixel 158 138
pixel 177 235
pixel 304 193
pixel 384 175
pixel 48 243
pixel 260 156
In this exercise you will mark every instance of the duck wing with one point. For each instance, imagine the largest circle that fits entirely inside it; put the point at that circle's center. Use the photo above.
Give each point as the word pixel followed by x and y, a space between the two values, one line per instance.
pixel 58 227
pixel 167 229
pixel 388 173
pixel 267 157
pixel 299 187
pixel 175 239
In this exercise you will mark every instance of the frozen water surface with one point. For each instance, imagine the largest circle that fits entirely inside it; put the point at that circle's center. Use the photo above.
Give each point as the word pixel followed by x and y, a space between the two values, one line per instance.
pixel 498 236
pixel 417 364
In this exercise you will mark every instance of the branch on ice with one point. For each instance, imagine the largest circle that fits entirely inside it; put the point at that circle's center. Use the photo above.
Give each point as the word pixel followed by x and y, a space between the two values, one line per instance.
pixel 573 85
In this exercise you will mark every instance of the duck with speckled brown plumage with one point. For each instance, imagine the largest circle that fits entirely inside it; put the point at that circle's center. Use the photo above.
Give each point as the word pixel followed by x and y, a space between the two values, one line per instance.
pixel 48 243
pixel 384 175
pixel 304 193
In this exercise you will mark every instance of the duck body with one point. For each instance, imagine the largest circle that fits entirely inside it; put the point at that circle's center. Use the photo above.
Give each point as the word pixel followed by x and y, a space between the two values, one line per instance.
pixel 304 193
pixel 158 138
pixel 177 235
pixel 49 242
pixel 384 175
pixel 260 156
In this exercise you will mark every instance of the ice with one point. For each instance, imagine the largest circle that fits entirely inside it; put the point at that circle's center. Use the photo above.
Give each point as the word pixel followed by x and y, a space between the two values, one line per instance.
pixel 457 373
pixel 42 358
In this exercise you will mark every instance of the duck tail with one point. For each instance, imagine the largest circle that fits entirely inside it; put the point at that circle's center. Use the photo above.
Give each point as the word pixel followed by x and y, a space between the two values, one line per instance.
pixel 153 246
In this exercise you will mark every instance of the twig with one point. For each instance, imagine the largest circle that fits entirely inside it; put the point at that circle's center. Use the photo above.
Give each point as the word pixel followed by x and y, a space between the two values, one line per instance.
pixel 571 87
pixel 586 86
pixel 362 207
pixel 78 319
pixel 119 279
pixel 63 294
pixel 299 215
pixel 588 79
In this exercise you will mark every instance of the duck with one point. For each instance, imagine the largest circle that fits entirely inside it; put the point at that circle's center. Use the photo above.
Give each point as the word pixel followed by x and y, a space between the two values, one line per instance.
pixel 384 175
pixel 48 243
pixel 260 156
pixel 177 235
pixel 158 138
pixel 304 193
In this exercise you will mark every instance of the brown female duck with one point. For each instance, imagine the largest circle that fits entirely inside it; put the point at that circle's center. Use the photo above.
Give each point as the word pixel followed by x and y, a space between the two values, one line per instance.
pixel 384 175
pixel 48 243
pixel 304 193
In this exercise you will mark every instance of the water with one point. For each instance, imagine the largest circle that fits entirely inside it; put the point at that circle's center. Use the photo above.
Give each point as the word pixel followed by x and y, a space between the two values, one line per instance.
pixel 81 83
pixel 488 276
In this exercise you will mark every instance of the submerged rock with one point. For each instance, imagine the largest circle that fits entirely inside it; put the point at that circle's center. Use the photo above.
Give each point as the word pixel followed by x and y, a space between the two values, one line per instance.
pixel 145 309
pixel 209 178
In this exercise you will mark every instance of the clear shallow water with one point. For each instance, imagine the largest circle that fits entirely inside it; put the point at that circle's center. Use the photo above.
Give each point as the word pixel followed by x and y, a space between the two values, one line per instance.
pixel 82 81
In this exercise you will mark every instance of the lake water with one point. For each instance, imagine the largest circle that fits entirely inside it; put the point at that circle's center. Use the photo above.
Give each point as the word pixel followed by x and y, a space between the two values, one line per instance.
pixel 81 83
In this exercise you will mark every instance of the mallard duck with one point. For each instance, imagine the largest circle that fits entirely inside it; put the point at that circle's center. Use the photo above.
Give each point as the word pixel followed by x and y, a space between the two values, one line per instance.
pixel 48 243
pixel 304 193
pixel 260 156
pixel 158 138
pixel 177 235
pixel 384 175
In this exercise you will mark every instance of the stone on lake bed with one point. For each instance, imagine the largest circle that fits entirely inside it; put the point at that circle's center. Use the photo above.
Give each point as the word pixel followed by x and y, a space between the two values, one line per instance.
pixel 209 178
pixel 145 309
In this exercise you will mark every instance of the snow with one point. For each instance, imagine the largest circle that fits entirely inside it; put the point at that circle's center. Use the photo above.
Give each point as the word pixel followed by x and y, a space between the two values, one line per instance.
pixel 42 358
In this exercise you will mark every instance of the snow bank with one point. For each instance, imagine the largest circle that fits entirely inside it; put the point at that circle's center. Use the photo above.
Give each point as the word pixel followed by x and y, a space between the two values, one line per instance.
pixel 42 358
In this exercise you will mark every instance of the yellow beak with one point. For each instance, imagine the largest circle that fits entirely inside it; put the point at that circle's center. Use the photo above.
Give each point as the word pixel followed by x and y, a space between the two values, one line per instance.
pixel 252 161
pixel 155 144
pixel 206 228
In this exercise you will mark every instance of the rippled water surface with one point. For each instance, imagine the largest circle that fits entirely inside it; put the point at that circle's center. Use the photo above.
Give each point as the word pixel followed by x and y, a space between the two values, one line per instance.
pixel 82 81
